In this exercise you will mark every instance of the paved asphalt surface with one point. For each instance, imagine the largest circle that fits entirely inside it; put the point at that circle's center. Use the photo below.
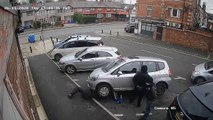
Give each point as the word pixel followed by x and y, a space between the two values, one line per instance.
pixel 53 85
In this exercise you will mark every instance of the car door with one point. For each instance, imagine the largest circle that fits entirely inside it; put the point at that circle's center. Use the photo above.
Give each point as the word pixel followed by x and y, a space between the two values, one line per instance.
pixel 66 48
pixel 87 61
pixel 123 75
pixel 210 74
pixel 152 70
pixel 103 58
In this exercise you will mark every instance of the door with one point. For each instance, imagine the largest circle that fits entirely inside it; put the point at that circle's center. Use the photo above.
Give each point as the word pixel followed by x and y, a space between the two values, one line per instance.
pixel 104 58
pixel 123 81
pixel 159 33
pixel 88 61
pixel 66 48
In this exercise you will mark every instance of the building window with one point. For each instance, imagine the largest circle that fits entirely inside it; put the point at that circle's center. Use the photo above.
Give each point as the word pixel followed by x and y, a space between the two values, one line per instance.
pixel 99 9
pixel 60 10
pixel 108 9
pixel 108 15
pixel 100 15
pixel 149 11
pixel 175 13
pixel 92 9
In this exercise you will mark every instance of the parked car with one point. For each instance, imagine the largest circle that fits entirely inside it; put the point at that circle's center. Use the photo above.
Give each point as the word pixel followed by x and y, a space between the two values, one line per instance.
pixel 130 28
pixel 202 72
pixel 69 38
pixel 118 75
pixel 196 103
pixel 88 59
pixel 74 45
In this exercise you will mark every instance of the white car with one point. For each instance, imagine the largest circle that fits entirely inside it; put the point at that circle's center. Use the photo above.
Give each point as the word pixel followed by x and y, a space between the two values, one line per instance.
pixel 74 45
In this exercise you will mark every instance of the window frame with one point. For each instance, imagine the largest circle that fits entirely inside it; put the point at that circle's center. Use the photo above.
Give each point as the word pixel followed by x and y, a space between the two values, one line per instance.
pixel 178 12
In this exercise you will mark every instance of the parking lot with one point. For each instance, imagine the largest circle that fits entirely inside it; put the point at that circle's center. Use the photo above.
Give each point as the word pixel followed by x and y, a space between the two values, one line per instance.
pixel 53 86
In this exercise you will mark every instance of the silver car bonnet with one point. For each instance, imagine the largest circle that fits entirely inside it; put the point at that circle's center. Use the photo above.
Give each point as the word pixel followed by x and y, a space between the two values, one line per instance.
pixel 67 58
pixel 200 67
pixel 97 72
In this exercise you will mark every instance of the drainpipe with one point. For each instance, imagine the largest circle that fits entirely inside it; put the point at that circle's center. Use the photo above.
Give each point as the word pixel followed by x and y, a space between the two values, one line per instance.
pixel 184 3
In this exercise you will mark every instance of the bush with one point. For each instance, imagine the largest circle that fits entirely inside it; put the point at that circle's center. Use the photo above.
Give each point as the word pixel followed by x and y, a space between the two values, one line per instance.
pixel 37 24
pixel 88 19
pixel 79 18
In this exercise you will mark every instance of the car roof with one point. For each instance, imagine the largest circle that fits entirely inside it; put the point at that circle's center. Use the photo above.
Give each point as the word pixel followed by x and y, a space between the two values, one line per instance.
pixel 101 48
pixel 86 38
pixel 144 58
pixel 204 93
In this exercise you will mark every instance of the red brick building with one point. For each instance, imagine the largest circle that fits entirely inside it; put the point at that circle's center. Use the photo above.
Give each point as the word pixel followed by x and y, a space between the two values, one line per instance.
pixel 152 14
pixel 104 11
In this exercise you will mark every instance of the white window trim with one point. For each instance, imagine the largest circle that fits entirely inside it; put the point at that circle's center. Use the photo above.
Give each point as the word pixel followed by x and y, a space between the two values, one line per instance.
pixel 178 13
pixel 149 8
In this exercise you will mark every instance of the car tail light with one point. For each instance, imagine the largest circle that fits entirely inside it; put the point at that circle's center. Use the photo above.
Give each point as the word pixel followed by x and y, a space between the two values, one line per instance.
pixel 170 73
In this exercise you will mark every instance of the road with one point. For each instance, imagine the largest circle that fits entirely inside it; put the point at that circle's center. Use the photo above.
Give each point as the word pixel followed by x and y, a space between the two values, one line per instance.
pixel 54 85
pixel 74 30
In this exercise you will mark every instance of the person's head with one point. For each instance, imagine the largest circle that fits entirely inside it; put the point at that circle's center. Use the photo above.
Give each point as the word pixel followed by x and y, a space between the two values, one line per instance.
pixel 144 69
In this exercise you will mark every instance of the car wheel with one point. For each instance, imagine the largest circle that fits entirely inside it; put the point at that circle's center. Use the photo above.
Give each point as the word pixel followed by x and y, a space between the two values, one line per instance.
pixel 103 90
pixel 57 57
pixel 199 80
pixel 70 69
pixel 161 87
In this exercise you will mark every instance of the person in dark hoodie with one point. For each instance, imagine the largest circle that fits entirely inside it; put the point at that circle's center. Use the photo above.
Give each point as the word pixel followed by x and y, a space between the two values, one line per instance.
pixel 140 79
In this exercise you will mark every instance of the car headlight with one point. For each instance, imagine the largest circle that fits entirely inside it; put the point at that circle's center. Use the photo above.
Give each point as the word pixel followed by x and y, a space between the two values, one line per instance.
pixel 94 78
pixel 196 72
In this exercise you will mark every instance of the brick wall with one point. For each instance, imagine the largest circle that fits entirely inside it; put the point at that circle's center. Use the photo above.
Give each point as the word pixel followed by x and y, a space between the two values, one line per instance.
pixel 12 72
pixel 142 8
pixel 187 38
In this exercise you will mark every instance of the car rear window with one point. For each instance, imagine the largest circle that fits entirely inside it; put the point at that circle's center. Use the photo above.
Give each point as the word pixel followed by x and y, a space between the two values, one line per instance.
pixel 161 65
pixel 194 108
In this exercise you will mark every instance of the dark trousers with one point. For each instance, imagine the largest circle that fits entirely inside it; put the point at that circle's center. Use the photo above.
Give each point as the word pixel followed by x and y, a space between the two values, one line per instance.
pixel 137 93
pixel 148 108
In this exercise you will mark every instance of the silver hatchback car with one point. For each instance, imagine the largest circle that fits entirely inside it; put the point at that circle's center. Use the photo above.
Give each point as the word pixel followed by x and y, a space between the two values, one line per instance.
pixel 202 72
pixel 88 59
pixel 118 75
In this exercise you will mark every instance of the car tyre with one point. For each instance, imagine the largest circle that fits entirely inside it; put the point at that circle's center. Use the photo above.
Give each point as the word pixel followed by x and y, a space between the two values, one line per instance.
pixel 70 69
pixel 57 57
pixel 161 88
pixel 199 80
pixel 103 90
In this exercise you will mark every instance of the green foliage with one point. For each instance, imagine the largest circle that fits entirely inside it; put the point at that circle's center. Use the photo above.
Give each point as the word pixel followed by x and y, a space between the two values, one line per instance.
pixel 36 24
pixel 88 19
pixel 79 18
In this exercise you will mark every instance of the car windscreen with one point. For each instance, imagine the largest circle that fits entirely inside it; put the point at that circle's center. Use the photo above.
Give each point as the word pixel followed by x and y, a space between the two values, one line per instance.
pixel 193 107
pixel 112 65
pixel 209 65
pixel 80 52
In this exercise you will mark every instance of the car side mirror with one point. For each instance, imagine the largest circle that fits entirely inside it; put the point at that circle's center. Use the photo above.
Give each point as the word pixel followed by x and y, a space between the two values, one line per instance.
pixel 80 59
pixel 119 73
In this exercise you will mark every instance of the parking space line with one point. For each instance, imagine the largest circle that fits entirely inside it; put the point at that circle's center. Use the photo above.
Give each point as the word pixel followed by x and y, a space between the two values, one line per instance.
pixel 119 115
pixel 157 54
pixel 179 78
pixel 98 103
